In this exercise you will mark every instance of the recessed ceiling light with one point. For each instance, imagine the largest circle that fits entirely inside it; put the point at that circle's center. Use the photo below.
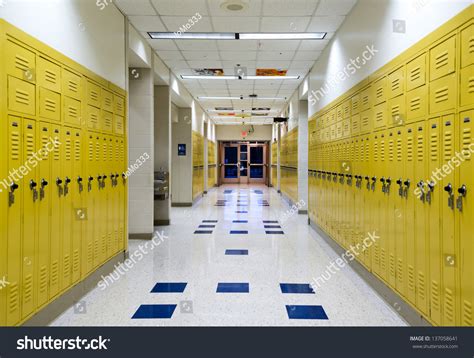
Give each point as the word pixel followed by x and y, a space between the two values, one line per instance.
pixel 237 36
pixel 198 77
pixel 192 35
pixel 242 97
pixel 234 5
pixel 281 36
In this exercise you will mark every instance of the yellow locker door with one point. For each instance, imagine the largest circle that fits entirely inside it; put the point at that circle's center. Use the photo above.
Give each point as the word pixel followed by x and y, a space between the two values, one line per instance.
pixel 122 185
pixel 421 244
pixel 409 187
pixel 434 199
pixel 90 190
pixel 29 232
pixel 399 232
pixel 116 193
pixel 104 235
pixel 450 264
pixel 466 215
pixel 56 208
pixel 111 206
pixel 44 201
pixel 357 171
pixel 373 214
pixel 368 197
pixel 97 195
pixel 16 189
pixel 390 194
pixel 382 203
pixel 77 190
pixel 67 209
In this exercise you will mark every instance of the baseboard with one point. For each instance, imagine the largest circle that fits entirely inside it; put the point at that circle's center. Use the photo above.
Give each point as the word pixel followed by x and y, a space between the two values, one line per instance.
pixel 164 222
pixel 407 312
pixel 181 205
pixel 140 236
pixel 302 212
pixel 72 296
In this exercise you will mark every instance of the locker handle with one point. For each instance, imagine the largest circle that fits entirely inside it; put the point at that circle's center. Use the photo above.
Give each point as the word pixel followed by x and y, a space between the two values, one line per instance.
pixel 420 184
pixel 43 183
pixel 68 180
pixel 389 181
pixel 448 188
pixel 367 178
pixel 399 181
pixel 431 185
pixel 58 181
pixel 91 178
pixel 105 177
pixel 13 187
pixel 407 183
pixel 33 184
pixel 79 179
pixel 382 179
pixel 99 177
pixel 123 176
pixel 462 190
pixel 374 179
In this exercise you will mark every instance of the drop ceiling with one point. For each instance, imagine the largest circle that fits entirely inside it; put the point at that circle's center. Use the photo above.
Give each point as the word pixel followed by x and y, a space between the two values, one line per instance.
pixel 182 56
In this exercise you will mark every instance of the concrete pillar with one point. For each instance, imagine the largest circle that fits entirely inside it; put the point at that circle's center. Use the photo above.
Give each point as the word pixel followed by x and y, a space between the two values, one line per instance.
pixel 303 155
pixel 278 157
pixel 181 168
pixel 140 141
pixel 162 158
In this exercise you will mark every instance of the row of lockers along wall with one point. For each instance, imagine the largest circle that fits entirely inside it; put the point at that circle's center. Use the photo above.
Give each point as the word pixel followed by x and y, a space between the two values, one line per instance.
pixel 274 163
pixel 198 164
pixel 211 164
pixel 289 164
pixel 410 179
pixel 63 187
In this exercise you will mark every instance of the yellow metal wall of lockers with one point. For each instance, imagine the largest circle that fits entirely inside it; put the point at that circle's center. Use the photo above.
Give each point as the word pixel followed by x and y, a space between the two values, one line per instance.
pixel 289 164
pixel 274 163
pixel 62 207
pixel 211 164
pixel 401 165
pixel 198 164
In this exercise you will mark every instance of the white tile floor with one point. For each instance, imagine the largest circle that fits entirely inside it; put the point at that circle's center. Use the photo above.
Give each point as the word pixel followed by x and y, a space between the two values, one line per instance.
pixel 199 260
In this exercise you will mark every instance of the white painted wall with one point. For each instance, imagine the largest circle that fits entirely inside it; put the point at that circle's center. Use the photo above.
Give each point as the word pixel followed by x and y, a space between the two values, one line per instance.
pixel 370 23
pixel 234 132
pixel 79 29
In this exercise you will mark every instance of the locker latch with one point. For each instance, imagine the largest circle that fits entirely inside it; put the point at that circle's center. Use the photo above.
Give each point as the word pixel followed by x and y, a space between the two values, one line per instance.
pixel 407 186
pixel 387 186
pixel 99 181
pixel 429 193
pixel 421 186
pixel 89 184
pixel 66 187
pixel 349 179
pixel 79 184
pixel 341 178
pixel 103 181
pixel 462 191
pixel 374 181
pixel 400 187
pixel 33 186
pixel 124 177
pixel 368 183
pixel 449 189
pixel 382 180
pixel 11 193
pixel 334 177
pixel 44 183
pixel 58 183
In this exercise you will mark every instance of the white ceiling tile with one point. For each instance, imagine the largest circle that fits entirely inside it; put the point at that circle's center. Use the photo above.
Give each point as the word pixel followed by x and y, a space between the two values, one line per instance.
pixel 273 64
pixel 285 24
pixel 289 7
pixel 174 23
pixel 135 7
pixel 233 45
pixel 233 63
pixel 200 55
pixel 197 45
pixel 176 65
pixel 147 23
pixel 325 23
pixel 180 7
pixel 297 72
pixel 252 9
pixel 313 45
pixel 167 45
pixel 301 64
pixel 277 45
pixel 205 64
pixel 170 55
pixel 240 55
pixel 275 55
pixel 236 24
pixel 307 55
pixel 331 7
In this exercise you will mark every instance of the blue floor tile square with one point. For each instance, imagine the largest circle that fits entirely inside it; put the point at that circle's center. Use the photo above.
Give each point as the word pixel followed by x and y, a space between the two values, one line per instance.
pixel 271 226
pixel 268 232
pixel 234 287
pixel 154 311
pixel 203 232
pixel 170 287
pixel 228 191
pixel 258 192
pixel 242 212
pixel 206 226
pixel 236 252
pixel 241 232
pixel 306 312
pixel 270 221
pixel 296 288
pixel 210 221
pixel 240 221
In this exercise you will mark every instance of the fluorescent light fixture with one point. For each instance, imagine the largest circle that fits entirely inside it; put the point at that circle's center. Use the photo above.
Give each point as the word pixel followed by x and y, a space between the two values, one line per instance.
pixel 240 111
pixel 192 35
pixel 156 35
pixel 282 36
pixel 230 98
pixel 198 77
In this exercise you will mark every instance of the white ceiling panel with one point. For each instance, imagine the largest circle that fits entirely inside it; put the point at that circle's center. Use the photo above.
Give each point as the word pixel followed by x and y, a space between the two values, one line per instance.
pixel 289 7
pixel 135 7
pixel 307 55
pixel 180 7
pixel 275 45
pixel 200 55
pixel 165 45
pixel 325 23
pixel 301 64
pixel 147 23
pixel 233 55
pixel 253 8
pixel 331 7
pixel 275 55
pixel 171 55
pixel 175 65
pixel 313 45
pixel 232 45
pixel 197 45
pixel 236 24
pixel 285 24
pixel 174 23
pixel 205 64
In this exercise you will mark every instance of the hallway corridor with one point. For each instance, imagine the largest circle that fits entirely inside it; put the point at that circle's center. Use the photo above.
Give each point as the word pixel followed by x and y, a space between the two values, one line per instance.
pixel 231 242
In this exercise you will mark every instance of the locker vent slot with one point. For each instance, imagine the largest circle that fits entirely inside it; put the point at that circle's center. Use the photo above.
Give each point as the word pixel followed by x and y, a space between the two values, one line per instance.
pixel 28 289
pixel 435 301
pixel 448 306
pixel 410 149
pixel 415 74
pixel 76 259
pixel 56 154
pixel 94 96
pixel 390 150
pixel 380 92
pixel 379 117
pixel 73 86
pixel 108 101
pixel 470 85
pixel 90 254
pixel 466 142
pixel 54 273
pixel 13 297
pixel 441 94
pixel 448 144
pixel 399 150
pixel 77 150
pixel 395 110
pixel 467 314
pixel 400 270
pixel 15 146
pixel 365 100
pixel 396 84
pixel 91 151
pixel 72 112
pixel 66 265
pixel 441 59
pixel 471 44
pixel 22 97
pixel 30 145
pixel 421 289
pixel 411 278
pixel 22 63
pixel 43 277
pixel 97 152
pixel 67 150
pixel 415 104
pixel 434 147
pixel 50 76
pixel 392 265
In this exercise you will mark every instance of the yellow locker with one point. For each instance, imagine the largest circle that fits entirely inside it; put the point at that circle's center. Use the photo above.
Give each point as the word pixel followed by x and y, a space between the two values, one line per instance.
pixel 466 214
pixel 15 195
pixel 77 189
pixel 107 121
pixel 443 58
pixel 434 199
pixel 119 105
pixel 92 117
pixel 111 242
pixel 369 205
pixel 339 113
pixel 107 100
pixel 90 189
pixel 346 108
pixel 123 195
pixel 346 127
pixel 67 209
pixel 355 106
pixel 338 130
pixel 20 62
pixel 366 99
pixel 467 46
pixel 72 111
pixel 49 75
pixel 382 203
pixel 417 103
pixel 400 214
pixel 390 208
pixel 93 94
pixel 30 191
pixel 21 96
pixel 450 289
pixel 380 90
pixel 467 86
pixel 119 124
pixel 380 115
pixel 396 82
pixel 102 218
pixel 397 110
pixel 366 121
pixel 71 84
pixel 443 94
pixel 355 124
pixel 56 209
pixel 416 72
pixel 49 104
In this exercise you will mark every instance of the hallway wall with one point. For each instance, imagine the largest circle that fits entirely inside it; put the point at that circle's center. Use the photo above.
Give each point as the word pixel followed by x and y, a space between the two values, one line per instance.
pixel 234 132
